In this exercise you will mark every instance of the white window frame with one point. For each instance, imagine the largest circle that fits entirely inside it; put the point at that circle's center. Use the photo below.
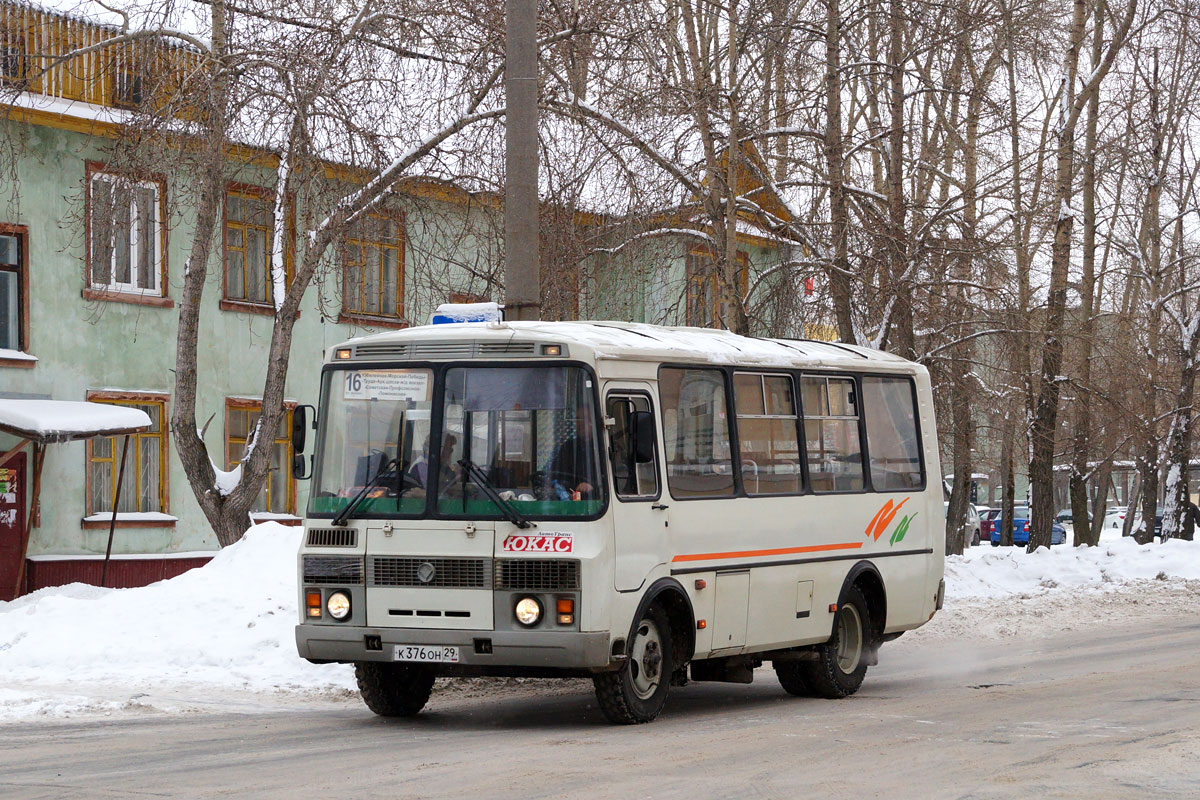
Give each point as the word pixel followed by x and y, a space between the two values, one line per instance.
pixel 134 237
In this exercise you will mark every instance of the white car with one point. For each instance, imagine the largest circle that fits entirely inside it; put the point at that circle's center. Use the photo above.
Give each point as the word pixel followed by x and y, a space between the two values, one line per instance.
pixel 1115 517
pixel 971 526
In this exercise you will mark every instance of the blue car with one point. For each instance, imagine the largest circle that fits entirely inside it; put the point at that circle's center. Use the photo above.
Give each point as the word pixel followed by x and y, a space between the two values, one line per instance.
pixel 1058 534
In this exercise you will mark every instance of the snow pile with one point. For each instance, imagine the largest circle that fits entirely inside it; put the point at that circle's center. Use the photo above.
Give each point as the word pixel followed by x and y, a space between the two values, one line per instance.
pixel 990 573
pixel 227 625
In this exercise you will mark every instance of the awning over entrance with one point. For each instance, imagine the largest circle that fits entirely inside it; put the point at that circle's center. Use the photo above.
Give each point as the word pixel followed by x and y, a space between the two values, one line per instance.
pixel 43 422
pixel 46 421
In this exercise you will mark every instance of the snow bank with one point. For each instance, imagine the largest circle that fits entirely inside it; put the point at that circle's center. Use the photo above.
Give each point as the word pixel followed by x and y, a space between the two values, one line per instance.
pixel 221 637
pixel 991 572
pixel 226 625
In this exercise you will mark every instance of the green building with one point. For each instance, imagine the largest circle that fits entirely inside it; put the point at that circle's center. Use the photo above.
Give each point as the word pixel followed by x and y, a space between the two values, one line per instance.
pixel 91 260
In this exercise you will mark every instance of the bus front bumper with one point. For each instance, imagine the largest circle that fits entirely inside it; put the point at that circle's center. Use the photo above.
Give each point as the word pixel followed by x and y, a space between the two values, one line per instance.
pixel 533 649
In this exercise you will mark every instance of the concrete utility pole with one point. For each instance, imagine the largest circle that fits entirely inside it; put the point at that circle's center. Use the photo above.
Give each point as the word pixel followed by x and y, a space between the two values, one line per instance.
pixel 521 273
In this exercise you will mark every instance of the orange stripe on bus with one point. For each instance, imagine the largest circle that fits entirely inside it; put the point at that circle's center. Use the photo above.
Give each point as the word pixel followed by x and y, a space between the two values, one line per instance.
pixel 782 551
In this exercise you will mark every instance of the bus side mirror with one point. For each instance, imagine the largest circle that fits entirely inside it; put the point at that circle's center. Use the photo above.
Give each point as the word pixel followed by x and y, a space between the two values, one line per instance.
pixel 642 423
pixel 299 439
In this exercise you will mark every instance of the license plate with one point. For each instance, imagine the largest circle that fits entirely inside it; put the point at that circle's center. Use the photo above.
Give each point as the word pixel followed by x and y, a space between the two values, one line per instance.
pixel 425 653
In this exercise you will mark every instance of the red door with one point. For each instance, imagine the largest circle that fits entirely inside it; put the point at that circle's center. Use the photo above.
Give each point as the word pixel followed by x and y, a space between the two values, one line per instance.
pixel 12 524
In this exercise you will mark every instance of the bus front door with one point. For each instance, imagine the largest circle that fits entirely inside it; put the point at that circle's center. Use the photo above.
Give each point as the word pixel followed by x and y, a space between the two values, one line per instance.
pixel 640 517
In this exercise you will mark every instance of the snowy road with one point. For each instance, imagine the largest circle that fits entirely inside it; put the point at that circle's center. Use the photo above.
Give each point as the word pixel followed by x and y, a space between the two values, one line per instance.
pixel 1100 710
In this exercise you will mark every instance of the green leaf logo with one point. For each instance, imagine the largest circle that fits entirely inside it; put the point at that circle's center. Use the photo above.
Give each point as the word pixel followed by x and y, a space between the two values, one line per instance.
pixel 902 529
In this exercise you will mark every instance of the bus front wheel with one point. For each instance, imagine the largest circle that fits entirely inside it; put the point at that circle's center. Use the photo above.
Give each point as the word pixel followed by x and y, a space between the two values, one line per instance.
pixel 393 690
pixel 841 662
pixel 637 692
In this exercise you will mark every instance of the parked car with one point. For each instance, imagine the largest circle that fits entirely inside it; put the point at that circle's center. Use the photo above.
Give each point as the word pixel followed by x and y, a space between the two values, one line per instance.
pixel 986 515
pixel 1058 534
pixel 1114 517
pixel 972 528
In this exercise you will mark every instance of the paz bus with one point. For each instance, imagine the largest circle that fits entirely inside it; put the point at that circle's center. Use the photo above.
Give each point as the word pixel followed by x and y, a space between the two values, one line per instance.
pixel 637 504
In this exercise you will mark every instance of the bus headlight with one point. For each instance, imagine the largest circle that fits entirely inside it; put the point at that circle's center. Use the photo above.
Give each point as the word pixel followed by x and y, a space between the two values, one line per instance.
pixel 338 605
pixel 528 611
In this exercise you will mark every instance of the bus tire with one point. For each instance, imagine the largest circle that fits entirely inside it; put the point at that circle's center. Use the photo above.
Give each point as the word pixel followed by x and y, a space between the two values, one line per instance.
pixel 393 690
pixel 637 692
pixel 841 662
pixel 791 678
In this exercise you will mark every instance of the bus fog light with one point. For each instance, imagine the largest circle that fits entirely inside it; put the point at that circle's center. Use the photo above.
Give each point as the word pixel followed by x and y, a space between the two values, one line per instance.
pixel 566 619
pixel 338 605
pixel 528 611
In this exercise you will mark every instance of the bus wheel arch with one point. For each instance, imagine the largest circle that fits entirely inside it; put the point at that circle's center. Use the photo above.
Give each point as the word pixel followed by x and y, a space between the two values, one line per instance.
pixel 669 594
pixel 637 690
pixel 866 578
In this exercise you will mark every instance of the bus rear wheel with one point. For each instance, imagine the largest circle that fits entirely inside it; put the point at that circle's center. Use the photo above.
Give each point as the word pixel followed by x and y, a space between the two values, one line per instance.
pixel 841 663
pixel 393 690
pixel 637 692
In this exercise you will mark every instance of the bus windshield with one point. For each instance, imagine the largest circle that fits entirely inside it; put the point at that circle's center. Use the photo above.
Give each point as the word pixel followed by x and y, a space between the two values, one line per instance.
pixel 531 431
pixel 524 435
pixel 375 432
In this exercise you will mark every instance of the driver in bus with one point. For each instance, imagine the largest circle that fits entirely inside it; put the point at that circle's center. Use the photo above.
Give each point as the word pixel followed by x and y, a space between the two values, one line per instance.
pixel 572 466
pixel 448 472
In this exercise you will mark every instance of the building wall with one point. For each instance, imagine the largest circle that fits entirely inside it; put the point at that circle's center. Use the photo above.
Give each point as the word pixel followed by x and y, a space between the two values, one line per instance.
pixel 88 345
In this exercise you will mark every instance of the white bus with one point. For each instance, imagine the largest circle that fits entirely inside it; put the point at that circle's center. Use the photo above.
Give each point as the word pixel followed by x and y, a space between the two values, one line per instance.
pixel 641 505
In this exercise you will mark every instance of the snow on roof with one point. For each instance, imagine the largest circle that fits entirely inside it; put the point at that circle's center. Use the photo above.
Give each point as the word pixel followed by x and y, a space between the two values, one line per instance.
pixel 639 341
pixel 64 420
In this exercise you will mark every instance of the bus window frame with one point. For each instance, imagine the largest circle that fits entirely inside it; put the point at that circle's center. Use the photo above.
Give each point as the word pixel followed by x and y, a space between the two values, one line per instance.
pixel 862 430
pixel 735 461
pixel 437 412
pixel 920 433
pixel 658 445
pixel 801 447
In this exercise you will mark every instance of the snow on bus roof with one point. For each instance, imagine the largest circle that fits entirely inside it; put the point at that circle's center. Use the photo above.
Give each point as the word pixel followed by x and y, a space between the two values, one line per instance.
pixel 64 420
pixel 631 340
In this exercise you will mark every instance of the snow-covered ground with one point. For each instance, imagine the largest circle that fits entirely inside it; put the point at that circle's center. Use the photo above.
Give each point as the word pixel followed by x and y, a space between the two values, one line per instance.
pixel 221 637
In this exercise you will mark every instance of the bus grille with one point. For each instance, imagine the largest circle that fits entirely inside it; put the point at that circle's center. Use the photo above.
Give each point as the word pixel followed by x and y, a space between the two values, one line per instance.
pixel 537 575
pixel 456 573
pixel 332 537
pixel 333 569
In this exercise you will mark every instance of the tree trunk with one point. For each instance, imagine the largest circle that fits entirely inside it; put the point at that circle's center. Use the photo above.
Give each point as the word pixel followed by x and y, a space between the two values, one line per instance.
pixel 839 210
pixel 1081 446
pixel 1045 418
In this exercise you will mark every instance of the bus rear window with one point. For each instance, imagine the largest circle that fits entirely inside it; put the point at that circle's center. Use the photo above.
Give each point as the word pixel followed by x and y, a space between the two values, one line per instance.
pixel 895 450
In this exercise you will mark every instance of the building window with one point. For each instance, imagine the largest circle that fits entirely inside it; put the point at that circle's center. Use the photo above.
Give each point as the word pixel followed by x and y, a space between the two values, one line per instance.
pixel 144 484
pixel 14 288
pixel 373 266
pixel 125 218
pixel 278 495
pixel 249 227
pixel 11 56
pixel 128 89
pixel 705 306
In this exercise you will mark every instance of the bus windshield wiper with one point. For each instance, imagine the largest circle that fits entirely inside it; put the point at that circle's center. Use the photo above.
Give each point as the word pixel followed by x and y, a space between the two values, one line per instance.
pixel 510 511
pixel 344 514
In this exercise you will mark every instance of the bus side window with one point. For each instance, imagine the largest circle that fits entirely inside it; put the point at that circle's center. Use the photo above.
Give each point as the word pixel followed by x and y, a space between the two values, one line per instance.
pixel 767 438
pixel 830 407
pixel 696 432
pixel 631 479
pixel 892 434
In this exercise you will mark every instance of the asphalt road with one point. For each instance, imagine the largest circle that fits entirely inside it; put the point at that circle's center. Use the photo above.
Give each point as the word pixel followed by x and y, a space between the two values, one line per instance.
pixel 1111 712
